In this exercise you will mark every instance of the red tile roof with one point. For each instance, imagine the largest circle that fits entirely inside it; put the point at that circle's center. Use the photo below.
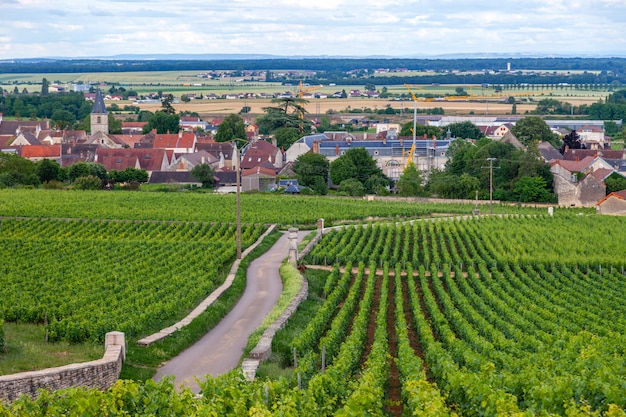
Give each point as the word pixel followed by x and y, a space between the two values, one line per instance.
pixel 617 194
pixel 41 151
pixel 575 166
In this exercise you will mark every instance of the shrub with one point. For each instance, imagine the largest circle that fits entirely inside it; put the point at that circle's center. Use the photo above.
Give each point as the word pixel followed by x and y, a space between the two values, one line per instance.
pixel 89 182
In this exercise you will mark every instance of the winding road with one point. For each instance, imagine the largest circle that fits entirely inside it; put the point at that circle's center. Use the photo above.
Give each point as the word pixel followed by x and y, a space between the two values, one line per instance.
pixel 220 350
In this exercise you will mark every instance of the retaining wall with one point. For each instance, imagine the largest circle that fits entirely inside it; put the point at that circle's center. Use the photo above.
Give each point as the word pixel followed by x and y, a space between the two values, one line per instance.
pixel 101 373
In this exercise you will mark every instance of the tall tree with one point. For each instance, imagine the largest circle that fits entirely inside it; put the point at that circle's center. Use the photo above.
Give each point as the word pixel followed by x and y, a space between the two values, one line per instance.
pixel 410 183
pixel 45 85
pixel 533 128
pixel 163 122
pixel 571 141
pixel 355 163
pixel 205 174
pixel 312 171
pixel 465 130
pixel 232 127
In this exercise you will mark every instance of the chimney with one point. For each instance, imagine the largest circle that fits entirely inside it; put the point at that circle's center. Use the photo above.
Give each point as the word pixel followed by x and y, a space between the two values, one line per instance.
pixel 336 149
pixel 316 146
pixel 274 142
pixel 384 139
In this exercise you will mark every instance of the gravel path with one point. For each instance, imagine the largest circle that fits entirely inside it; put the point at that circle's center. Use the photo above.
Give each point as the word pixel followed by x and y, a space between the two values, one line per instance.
pixel 220 350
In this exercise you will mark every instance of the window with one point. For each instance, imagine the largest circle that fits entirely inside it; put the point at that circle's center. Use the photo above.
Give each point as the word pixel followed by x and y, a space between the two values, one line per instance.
pixel 99 120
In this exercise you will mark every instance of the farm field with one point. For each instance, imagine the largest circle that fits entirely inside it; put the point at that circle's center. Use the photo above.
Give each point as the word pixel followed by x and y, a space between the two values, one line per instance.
pixel 300 211
pixel 85 278
pixel 486 316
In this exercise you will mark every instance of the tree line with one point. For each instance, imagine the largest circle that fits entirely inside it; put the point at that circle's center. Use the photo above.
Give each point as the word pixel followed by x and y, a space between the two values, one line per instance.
pixel 614 65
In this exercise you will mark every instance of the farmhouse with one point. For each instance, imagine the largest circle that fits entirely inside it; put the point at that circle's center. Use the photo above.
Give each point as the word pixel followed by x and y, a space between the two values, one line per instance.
pixel 614 204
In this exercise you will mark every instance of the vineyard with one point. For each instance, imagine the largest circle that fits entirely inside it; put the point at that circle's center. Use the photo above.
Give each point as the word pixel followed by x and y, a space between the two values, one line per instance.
pixel 255 208
pixel 85 278
pixel 519 315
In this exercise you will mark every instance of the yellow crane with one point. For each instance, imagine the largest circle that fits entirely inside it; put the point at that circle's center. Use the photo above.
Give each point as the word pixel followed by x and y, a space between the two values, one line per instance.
pixel 302 89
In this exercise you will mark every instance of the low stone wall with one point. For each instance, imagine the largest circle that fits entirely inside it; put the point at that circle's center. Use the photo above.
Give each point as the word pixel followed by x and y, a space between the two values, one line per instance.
pixel 163 333
pixel 101 373
pixel 263 349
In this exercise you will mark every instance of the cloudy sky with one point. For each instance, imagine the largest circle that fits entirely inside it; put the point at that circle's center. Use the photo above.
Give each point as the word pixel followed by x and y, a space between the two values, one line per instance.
pixel 84 28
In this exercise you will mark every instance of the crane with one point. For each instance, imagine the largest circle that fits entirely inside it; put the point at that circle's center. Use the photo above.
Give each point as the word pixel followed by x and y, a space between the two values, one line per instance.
pixel 302 90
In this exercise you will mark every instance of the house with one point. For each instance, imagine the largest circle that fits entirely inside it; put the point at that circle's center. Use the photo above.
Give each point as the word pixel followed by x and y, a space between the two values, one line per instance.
pixel 14 127
pixel 72 153
pixel 496 132
pixel 105 140
pixel 38 152
pixel 592 137
pixel 133 128
pixel 261 178
pixel 191 123
pixel 181 142
pixel 613 204
pixel 120 159
pixel 223 151
pixel 25 138
pixel 575 182
pixel 187 161
pixel 260 152
pixel 549 152
pixel 390 152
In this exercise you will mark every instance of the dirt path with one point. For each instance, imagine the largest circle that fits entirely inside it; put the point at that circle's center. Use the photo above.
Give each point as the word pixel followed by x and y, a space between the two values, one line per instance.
pixel 220 350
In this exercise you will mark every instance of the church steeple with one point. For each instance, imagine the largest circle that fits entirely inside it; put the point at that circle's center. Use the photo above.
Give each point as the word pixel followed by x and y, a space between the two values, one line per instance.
pixel 99 115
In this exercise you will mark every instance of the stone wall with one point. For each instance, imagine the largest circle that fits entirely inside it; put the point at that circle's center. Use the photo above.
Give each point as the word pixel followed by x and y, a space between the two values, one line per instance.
pixel 101 373
pixel 263 349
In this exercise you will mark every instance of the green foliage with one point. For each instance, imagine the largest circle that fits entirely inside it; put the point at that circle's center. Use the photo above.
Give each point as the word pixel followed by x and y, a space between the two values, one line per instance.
pixel 205 174
pixel 353 187
pixel 356 163
pixel 48 170
pixel 83 169
pixel 465 130
pixel 110 289
pixel 2 342
pixel 312 170
pixel 163 123
pixel 286 136
pixel 129 174
pixel 17 171
pixel 410 183
pixel 420 130
pixel 231 128
pixel 88 182
pixel 530 189
pixel 533 128
pixel 615 182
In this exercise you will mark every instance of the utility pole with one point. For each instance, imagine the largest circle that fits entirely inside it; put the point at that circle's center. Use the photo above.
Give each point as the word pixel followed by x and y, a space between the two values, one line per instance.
pixel 491 183
pixel 238 183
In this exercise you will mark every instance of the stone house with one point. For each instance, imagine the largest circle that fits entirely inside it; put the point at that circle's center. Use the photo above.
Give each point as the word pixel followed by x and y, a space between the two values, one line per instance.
pixel 613 204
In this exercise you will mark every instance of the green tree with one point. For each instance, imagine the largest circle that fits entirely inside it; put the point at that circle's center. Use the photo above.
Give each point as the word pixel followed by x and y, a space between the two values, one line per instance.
pixel 163 123
pixel 310 168
pixel 185 99
pixel 48 170
pixel 232 127
pixel 115 125
pixel 128 175
pixel 615 182
pixel 420 130
pixel 355 163
pixel 205 174
pixel 166 104
pixel 63 119
pixel 289 112
pixel 15 170
pixel 89 182
pixel 45 87
pixel 533 128
pixel 286 136
pixel 84 169
pixel 353 187
pixel 465 130
pixel 532 189
pixel 410 183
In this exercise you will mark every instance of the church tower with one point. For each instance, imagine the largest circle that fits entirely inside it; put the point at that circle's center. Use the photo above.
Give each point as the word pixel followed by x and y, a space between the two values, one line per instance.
pixel 99 115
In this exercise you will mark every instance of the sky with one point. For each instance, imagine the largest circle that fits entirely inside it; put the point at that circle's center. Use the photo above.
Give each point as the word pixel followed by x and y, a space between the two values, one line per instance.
pixel 359 28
